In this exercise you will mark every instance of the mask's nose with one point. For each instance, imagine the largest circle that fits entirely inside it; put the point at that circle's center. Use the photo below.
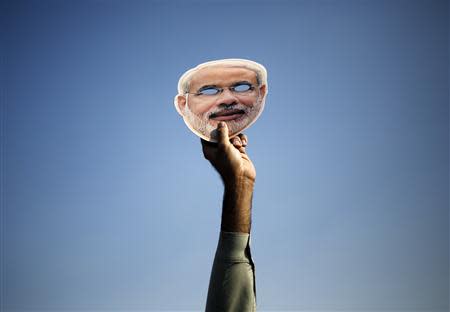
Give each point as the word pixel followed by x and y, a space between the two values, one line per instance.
pixel 227 98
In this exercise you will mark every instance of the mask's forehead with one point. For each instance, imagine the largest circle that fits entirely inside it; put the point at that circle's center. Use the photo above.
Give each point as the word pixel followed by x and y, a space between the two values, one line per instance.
pixel 221 76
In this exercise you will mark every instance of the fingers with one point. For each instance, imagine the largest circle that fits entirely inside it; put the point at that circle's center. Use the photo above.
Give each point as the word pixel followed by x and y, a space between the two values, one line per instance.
pixel 236 141
pixel 239 140
pixel 244 139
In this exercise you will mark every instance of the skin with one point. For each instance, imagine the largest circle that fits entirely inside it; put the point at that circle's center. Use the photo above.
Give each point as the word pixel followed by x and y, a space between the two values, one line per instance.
pixel 198 110
pixel 238 174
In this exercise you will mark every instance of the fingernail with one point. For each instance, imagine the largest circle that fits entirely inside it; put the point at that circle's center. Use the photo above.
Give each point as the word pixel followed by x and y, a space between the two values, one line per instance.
pixel 221 124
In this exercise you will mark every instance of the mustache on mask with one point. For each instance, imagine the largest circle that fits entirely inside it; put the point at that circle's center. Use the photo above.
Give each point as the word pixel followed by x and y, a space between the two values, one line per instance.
pixel 221 110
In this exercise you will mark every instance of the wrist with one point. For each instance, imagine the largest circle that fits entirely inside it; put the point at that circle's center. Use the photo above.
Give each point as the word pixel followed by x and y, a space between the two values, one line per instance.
pixel 241 184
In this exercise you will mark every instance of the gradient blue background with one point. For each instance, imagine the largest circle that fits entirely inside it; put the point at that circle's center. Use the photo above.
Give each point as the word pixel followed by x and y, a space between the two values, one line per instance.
pixel 108 204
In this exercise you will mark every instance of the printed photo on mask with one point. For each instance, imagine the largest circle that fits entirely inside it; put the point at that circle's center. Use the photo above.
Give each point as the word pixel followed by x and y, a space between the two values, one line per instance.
pixel 229 90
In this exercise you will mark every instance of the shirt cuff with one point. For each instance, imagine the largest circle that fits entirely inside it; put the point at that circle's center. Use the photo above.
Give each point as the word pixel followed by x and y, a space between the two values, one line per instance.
pixel 233 247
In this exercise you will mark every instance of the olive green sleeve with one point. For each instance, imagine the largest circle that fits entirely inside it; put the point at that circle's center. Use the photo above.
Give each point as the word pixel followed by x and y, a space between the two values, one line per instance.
pixel 232 282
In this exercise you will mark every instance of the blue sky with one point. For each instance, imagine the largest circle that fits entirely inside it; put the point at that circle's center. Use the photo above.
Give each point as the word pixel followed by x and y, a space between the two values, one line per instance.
pixel 108 204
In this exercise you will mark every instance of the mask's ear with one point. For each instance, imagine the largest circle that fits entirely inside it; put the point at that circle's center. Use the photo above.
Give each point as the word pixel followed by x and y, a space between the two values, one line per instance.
pixel 262 90
pixel 180 103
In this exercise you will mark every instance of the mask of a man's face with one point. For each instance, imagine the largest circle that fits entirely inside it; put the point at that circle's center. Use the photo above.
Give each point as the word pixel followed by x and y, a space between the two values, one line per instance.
pixel 230 90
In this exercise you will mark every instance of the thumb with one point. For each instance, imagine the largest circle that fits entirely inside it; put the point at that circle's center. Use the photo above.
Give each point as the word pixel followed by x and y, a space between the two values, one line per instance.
pixel 222 130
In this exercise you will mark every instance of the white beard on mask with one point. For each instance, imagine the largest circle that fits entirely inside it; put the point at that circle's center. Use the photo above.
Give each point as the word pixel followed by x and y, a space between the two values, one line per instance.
pixel 202 124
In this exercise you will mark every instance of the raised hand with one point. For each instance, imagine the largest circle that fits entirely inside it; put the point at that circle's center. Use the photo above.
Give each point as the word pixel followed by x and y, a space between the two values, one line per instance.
pixel 229 157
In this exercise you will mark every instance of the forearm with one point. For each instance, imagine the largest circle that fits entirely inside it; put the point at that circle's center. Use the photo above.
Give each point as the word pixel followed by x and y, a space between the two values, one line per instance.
pixel 232 283
pixel 237 206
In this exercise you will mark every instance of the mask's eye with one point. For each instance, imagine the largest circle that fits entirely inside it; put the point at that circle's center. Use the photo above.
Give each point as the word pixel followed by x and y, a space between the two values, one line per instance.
pixel 209 91
pixel 242 87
